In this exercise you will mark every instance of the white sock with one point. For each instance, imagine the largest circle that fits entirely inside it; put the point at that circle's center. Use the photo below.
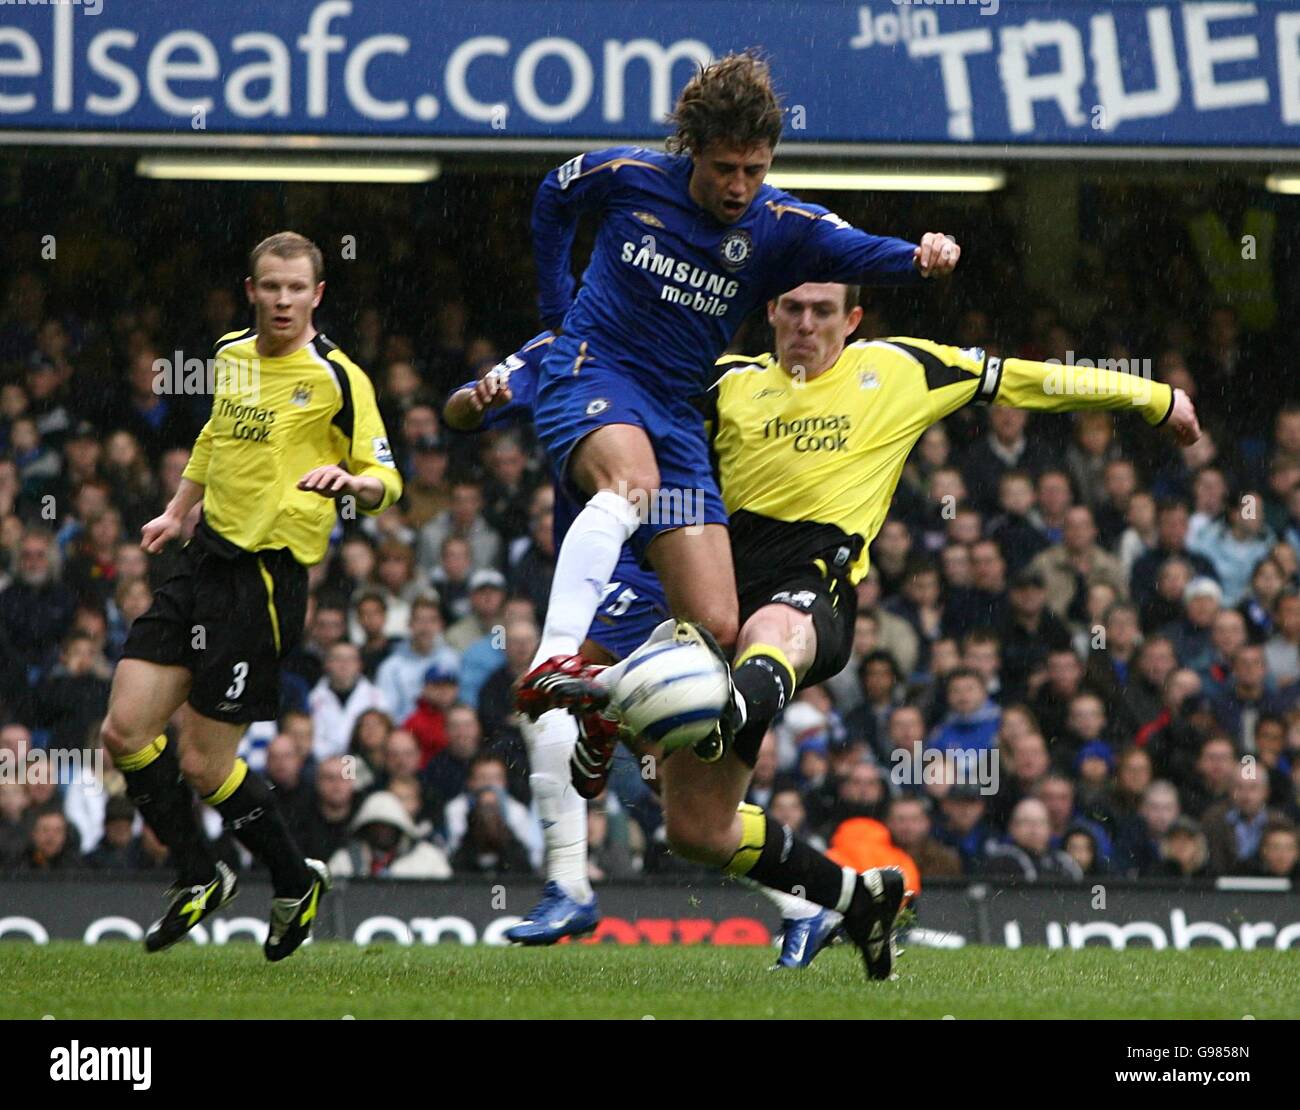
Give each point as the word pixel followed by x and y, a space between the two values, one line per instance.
pixel 563 810
pixel 792 908
pixel 583 570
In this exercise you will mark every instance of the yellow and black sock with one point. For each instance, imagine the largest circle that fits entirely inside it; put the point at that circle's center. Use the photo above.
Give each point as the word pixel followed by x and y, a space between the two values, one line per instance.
pixel 165 801
pixel 766 680
pixel 770 854
pixel 248 807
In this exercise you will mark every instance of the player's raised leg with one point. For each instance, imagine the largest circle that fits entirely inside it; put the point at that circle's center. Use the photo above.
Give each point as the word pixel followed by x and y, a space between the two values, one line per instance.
pixel 610 461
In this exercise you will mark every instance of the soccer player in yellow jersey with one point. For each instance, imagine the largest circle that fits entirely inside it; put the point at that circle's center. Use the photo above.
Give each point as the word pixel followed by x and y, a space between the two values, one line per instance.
pixel 810 443
pixel 294 428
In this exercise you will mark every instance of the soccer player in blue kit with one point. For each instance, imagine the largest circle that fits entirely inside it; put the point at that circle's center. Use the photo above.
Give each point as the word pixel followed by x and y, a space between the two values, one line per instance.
pixel 632 608
pixel 688 243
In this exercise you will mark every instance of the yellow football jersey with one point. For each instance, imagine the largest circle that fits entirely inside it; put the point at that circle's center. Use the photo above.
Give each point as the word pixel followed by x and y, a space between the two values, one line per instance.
pixel 273 420
pixel 808 468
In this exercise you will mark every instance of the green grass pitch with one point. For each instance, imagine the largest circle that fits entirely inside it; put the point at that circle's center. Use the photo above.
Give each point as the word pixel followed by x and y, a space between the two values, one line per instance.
pixel 332 980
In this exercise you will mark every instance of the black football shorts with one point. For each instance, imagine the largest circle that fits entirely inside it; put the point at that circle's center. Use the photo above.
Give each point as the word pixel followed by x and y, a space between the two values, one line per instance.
pixel 230 620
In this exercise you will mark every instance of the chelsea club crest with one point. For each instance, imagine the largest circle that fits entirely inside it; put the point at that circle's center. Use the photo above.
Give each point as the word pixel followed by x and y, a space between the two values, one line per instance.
pixel 736 249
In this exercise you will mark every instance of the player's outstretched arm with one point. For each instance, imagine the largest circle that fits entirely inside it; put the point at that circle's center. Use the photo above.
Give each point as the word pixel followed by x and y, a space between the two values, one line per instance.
pixel 466 407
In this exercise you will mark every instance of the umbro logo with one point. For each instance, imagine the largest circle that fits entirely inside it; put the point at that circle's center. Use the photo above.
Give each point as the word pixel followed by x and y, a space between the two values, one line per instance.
pixel 649 219
pixel 769 392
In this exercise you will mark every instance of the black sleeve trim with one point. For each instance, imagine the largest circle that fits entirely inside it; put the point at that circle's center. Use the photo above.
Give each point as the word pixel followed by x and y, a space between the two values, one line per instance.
pixel 938 373
pixel 1168 412
pixel 345 418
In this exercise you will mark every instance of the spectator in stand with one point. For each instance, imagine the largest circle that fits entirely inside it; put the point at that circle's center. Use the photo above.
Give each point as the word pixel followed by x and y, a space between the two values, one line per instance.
pixel 339 699
pixel 369 739
pixel 1077 562
pixel 880 683
pixel 1119 484
pixel 120 849
pixel 1183 852
pixel 1028 633
pixel 327 625
pixel 1279 854
pixel 1227 636
pixel 1134 773
pixel 844 687
pixel 465 520
pixel 1139 836
pixel 920 605
pixel 1235 544
pixel 894 634
pixel 322 828
pixel 1164 607
pixel 1171 542
pixel 1234 827
pixel 1004 447
pixel 371 610
pixel 385 843
pixel 50 845
pixel 908 820
pixel 91 568
pixel 451 579
pixel 401 675
pixel 72 696
pixel 1013 528
pixel 510 486
pixel 1212 778
pixel 427 492
pixel 1267 582
pixel 428 722
pixel 1140 533
pixel 483 628
pixel 971 725
pixel 532 561
pixel 1282 652
pixel 496 706
pixel 1059 795
pixel 448 771
pixel 787 808
pixel 1210 492
pixel 891 555
pixel 981 653
pixel 1063 682
pixel 1239 705
pixel 36 609
pixel 1081 846
pixel 1192 634
pixel 961 825
pixel 284 770
pixel 1027 855
pixel 487 829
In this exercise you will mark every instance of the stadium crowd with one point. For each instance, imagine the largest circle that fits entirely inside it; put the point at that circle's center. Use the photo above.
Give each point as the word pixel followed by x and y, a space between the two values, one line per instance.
pixel 1117 620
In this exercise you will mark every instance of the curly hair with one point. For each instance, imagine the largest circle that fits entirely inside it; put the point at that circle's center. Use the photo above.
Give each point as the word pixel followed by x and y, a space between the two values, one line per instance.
pixel 730 101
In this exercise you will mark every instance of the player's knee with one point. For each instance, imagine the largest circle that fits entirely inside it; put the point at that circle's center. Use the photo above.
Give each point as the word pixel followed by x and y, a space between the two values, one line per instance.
pixel 195 765
pixel 696 838
pixel 724 623
pixel 117 739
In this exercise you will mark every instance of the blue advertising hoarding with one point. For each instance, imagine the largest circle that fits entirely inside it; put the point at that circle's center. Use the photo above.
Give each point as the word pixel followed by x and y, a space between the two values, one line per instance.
pixel 1220 74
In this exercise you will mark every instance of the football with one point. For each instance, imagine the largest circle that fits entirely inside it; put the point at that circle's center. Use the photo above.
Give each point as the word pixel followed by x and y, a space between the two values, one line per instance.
pixel 672 692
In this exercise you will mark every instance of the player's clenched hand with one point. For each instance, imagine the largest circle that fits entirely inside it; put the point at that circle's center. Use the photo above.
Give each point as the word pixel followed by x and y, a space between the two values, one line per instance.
pixel 329 481
pixel 937 255
pixel 491 390
pixel 1187 429
pixel 159 532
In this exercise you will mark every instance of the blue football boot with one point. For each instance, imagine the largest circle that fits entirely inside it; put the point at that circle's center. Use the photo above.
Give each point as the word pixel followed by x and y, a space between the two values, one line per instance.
pixel 555 916
pixel 802 939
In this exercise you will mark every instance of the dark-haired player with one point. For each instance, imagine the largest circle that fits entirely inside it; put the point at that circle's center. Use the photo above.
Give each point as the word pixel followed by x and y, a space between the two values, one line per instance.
pixel 294 427
pixel 810 443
